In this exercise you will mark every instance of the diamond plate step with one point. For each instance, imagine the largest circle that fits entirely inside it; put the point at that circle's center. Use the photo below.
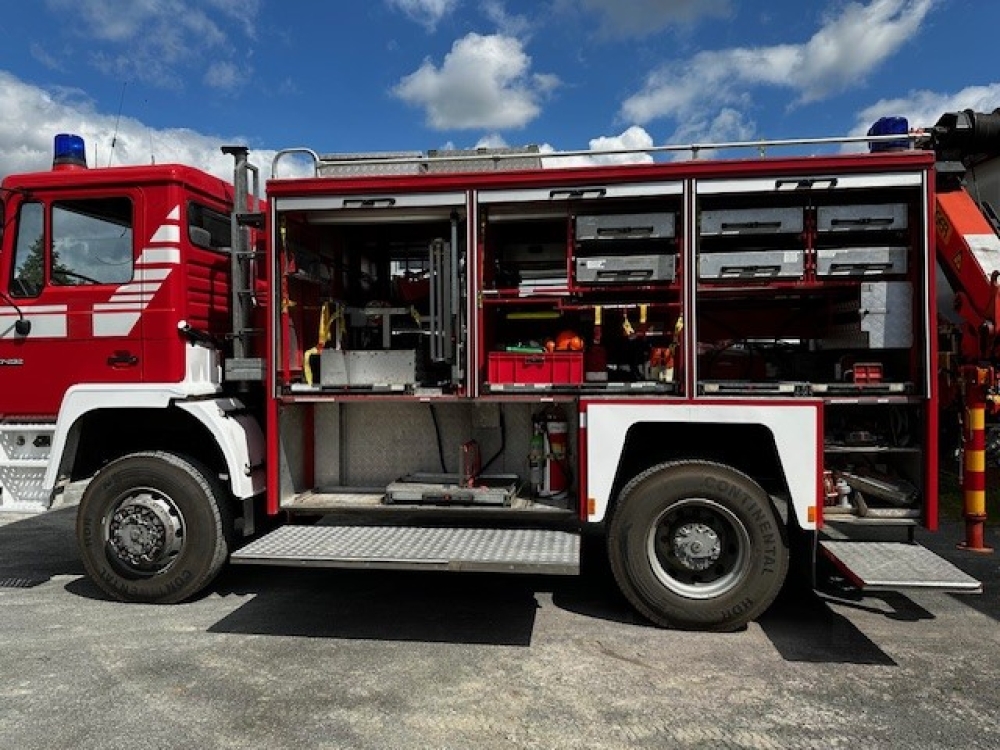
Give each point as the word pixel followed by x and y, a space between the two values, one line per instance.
pixel 417 548
pixel 890 566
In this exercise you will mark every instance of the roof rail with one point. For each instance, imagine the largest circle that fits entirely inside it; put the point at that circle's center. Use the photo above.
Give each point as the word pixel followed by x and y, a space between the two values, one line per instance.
pixel 477 160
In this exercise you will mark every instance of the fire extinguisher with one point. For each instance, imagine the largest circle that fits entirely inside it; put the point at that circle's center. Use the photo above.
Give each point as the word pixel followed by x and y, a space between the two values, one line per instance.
pixel 548 453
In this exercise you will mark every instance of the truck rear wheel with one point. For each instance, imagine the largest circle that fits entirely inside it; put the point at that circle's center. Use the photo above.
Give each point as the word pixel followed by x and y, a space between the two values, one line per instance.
pixel 697 545
pixel 152 527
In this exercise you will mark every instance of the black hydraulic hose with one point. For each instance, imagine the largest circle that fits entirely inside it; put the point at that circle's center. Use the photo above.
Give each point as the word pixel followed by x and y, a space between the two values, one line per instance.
pixel 437 435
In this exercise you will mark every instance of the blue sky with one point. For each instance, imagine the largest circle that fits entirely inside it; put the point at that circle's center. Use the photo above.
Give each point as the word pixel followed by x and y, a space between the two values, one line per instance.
pixel 171 80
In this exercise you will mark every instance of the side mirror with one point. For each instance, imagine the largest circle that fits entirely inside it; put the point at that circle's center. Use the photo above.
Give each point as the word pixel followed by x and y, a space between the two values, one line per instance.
pixel 22 327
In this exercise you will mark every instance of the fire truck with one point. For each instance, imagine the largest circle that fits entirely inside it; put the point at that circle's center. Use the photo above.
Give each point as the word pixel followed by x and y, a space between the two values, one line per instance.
pixel 726 368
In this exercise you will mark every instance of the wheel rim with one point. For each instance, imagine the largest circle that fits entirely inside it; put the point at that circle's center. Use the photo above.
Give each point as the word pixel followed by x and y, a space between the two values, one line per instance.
pixel 698 548
pixel 144 533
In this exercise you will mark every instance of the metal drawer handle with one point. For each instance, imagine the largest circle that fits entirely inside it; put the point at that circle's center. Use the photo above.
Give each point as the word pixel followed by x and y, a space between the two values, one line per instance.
pixel 369 202
pixel 805 184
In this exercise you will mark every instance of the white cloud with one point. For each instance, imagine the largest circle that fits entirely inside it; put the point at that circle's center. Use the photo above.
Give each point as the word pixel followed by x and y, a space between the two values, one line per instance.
pixel 158 41
pixel 492 140
pixel 32 116
pixel 846 49
pixel 507 24
pixel 634 139
pixel 222 75
pixel 923 108
pixel 726 126
pixel 483 82
pixel 643 17
pixel 428 13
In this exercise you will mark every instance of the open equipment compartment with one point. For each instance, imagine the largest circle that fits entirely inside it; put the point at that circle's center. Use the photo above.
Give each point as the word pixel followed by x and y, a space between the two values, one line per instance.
pixel 806 286
pixel 580 288
pixel 374 292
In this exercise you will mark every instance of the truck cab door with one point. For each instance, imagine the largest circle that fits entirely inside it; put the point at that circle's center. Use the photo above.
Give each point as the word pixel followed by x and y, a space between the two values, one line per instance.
pixel 66 258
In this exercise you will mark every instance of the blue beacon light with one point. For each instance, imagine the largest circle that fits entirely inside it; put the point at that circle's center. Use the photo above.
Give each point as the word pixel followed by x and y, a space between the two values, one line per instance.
pixel 69 152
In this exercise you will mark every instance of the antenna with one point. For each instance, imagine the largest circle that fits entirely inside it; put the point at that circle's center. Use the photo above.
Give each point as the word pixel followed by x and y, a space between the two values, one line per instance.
pixel 114 137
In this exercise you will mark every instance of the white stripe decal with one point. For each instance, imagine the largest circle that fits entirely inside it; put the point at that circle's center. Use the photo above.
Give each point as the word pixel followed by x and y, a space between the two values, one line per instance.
pixel 152 274
pixel 167 233
pixel 103 307
pixel 142 287
pixel 121 312
pixel 47 321
pixel 160 255
pixel 115 324
pixel 132 299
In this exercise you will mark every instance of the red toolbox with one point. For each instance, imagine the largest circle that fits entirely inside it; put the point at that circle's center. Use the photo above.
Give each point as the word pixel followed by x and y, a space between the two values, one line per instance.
pixel 536 368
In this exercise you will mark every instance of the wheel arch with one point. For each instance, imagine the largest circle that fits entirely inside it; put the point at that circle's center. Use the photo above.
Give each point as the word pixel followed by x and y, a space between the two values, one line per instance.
pixel 777 444
pixel 748 448
pixel 101 426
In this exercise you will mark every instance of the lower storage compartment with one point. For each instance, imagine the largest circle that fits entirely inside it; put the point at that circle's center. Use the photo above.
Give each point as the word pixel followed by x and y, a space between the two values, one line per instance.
pixel 535 368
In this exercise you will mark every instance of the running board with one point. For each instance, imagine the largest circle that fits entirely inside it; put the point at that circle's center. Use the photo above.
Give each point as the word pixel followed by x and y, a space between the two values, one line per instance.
pixel 417 548
pixel 892 566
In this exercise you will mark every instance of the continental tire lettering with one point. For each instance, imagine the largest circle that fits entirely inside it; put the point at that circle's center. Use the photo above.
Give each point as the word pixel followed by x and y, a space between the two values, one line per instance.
pixel 178 582
pixel 737 610
pixel 88 532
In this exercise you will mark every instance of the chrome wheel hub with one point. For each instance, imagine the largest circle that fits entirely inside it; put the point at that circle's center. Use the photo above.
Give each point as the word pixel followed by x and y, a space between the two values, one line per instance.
pixel 145 532
pixel 696 546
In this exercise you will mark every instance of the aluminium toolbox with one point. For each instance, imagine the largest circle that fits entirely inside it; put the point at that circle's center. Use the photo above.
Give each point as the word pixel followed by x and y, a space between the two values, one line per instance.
pixel 542 368
pixel 868 217
pixel 752 264
pixel 368 368
pixel 745 221
pixel 861 261
pixel 649 226
pixel 610 269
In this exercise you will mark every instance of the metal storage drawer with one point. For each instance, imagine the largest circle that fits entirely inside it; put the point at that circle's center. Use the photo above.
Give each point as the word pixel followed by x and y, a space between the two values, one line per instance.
pixel 861 261
pixel 739 221
pixel 609 269
pixel 876 217
pixel 757 264
pixel 625 227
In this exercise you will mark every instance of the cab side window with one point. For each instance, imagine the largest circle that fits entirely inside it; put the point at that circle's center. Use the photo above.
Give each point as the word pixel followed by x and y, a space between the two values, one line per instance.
pixel 91 242
pixel 29 252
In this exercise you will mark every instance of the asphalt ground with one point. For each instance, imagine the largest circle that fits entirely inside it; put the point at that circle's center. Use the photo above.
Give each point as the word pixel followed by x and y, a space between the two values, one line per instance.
pixel 288 658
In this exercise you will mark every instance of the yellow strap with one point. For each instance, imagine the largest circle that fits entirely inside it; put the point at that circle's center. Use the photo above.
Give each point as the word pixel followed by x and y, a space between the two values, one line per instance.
pixel 627 325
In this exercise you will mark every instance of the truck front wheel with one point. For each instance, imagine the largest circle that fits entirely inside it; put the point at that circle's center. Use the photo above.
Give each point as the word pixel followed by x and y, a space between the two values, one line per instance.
pixel 697 545
pixel 152 527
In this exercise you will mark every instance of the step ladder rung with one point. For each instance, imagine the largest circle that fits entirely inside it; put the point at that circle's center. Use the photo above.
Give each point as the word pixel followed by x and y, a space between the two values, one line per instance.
pixel 24 463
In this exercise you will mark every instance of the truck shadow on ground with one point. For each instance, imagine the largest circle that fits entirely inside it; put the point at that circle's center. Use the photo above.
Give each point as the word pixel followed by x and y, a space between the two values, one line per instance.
pixel 380 605
pixel 467 608
pixel 496 609
pixel 35 549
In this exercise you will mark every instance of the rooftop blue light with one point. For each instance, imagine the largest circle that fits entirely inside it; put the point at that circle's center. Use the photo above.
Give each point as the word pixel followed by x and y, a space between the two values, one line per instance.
pixel 69 151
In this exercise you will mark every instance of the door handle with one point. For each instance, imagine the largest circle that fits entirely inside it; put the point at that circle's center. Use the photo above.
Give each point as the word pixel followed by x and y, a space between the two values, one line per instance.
pixel 122 359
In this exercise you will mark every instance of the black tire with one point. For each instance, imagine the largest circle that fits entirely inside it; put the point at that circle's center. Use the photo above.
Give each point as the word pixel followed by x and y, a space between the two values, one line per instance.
pixel 152 527
pixel 697 545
